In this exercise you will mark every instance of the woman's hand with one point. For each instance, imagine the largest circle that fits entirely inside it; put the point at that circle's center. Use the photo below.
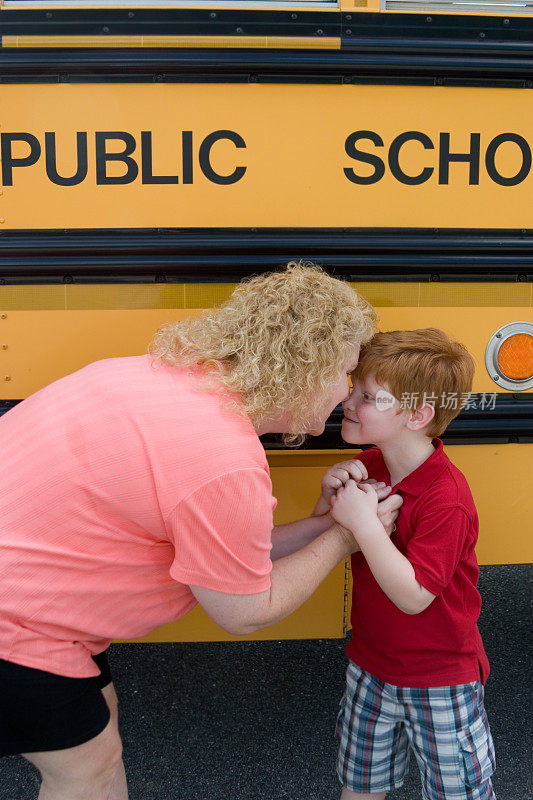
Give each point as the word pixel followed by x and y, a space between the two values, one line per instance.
pixel 338 475
pixel 335 477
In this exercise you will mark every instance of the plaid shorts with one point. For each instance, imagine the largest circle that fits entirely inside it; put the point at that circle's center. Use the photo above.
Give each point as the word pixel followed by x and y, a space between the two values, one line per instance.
pixel 446 727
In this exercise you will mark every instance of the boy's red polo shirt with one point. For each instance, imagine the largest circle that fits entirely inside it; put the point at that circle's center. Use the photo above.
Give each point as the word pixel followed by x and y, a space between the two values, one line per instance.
pixel 437 530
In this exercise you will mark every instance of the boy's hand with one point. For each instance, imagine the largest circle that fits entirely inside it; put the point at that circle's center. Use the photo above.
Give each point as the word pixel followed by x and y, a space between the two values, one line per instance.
pixel 355 506
pixel 388 511
pixel 382 490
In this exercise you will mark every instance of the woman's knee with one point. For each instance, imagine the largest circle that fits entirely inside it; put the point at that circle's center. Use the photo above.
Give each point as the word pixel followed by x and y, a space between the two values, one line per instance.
pixel 111 699
pixel 86 770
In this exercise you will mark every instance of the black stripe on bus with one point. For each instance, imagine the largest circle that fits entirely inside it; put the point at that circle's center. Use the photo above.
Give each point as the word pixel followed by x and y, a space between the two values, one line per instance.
pixel 490 29
pixel 421 63
pixel 229 254
pixel 177 22
pixel 509 422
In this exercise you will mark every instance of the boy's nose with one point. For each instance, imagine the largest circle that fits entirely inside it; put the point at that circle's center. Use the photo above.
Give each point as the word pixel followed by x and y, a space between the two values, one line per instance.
pixel 350 401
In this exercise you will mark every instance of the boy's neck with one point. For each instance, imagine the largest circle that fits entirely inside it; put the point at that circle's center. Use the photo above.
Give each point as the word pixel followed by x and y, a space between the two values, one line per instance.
pixel 404 456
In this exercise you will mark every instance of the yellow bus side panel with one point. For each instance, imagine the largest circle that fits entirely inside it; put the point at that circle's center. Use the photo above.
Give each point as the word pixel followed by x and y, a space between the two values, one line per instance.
pixel 293 147
pixel 42 346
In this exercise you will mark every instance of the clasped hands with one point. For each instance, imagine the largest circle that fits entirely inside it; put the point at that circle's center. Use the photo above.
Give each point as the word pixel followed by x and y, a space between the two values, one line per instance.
pixel 354 500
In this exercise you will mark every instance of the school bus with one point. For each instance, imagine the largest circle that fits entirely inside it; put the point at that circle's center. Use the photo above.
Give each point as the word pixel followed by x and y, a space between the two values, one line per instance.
pixel 154 153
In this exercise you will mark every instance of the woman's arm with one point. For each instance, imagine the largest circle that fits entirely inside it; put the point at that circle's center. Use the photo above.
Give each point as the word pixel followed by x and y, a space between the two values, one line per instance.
pixel 297 571
pixel 294 578
pixel 288 538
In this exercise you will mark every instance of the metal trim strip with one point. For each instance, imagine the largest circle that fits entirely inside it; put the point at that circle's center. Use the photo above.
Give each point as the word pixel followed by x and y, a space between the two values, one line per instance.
pixel 229 254
pixel 469 67
pixel 510 423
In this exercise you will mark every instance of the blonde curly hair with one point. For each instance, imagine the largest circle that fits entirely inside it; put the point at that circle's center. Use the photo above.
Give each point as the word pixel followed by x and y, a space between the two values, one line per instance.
pixel 279 342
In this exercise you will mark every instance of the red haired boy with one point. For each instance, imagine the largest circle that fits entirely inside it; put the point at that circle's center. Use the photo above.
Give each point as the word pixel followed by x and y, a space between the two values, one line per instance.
pixel 417 663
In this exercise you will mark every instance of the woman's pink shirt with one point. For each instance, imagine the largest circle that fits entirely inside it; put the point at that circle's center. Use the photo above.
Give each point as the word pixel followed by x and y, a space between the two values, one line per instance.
pixel 121 485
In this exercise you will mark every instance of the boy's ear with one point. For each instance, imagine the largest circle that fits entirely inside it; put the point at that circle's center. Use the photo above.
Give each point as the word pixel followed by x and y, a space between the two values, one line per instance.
pixel 421 417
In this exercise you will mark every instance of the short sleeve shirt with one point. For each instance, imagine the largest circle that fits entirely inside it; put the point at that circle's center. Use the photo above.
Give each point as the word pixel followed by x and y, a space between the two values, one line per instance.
pixel 120 486
pixel 437 530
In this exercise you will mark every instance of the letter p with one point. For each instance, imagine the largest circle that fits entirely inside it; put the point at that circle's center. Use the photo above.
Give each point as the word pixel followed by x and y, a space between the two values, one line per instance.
pixel 6 154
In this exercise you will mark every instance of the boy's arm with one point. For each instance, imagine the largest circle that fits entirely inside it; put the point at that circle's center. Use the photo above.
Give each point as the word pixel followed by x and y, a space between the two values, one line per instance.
pixel 355 508
pixel 392 570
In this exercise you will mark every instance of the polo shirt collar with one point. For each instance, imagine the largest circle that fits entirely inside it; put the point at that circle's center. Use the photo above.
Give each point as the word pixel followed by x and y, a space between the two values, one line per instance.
pixel 423 476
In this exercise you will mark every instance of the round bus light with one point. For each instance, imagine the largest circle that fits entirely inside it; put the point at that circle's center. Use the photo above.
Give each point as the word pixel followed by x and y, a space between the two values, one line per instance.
pixel 509 356
pixel 515 357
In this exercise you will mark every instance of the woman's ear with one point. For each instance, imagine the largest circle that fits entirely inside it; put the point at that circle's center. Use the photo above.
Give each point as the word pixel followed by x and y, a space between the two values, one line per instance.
pixel 421 417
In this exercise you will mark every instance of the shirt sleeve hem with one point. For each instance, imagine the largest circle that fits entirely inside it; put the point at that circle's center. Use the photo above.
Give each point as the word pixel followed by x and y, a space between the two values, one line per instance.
pixel 208 582
pixel 427 581
pixel 255 469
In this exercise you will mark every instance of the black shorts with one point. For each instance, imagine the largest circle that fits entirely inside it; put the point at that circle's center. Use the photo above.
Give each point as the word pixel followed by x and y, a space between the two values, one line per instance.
pixel 41 711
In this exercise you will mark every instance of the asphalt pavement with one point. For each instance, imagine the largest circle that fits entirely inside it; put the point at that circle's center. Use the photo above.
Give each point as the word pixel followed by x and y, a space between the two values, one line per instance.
pixel 255 720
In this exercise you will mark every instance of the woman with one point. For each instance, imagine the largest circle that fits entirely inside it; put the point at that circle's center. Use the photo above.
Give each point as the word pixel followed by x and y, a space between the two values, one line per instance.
pixel 137 487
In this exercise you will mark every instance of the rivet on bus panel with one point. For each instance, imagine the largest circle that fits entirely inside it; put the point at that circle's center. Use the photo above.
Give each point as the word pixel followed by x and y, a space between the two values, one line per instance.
pixel 7 377
pixel 3 316
pixel 4 347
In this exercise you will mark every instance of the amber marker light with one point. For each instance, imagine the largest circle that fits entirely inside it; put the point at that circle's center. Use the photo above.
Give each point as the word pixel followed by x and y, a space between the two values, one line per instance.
pixel 515 357
pixel 509 356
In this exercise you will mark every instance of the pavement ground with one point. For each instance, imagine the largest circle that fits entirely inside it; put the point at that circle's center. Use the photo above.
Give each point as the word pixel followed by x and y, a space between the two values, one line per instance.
pixel 255 720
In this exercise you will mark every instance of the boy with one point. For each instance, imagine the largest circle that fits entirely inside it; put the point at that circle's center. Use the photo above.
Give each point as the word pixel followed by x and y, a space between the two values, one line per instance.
pixel 417 663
